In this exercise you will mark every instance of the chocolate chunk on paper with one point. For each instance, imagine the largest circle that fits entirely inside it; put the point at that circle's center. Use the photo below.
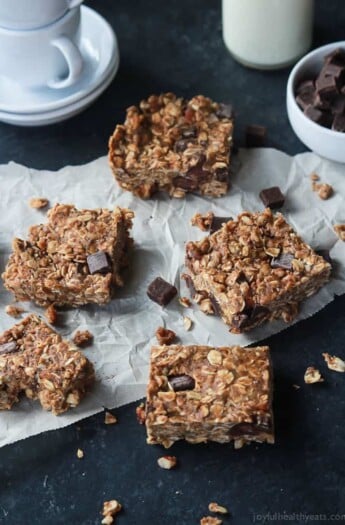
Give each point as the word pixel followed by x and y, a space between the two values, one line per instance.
pixel 161 292
pixel 272 197
pixel 217 223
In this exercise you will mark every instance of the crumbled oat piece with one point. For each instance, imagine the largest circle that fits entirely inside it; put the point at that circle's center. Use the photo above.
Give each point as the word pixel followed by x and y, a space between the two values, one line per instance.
pixel 340 231
pixel 203 222
pixel 14 311
pixel 38 202
pixel 207 307
pixel 50 314
pixel 107 520
pixel 334 363
pixel 109 418
pixel 184 301
pixel 165 336
pixel 239 443
pixel 82 338
pixel 214 507
pixel 210 520
pixel 140 413
pixel 187 322
pixel 325 191
pixel 312 375
pixel 296 387
pixel 80 453
pixel 167 462
pixel 314 177
pixel 110 509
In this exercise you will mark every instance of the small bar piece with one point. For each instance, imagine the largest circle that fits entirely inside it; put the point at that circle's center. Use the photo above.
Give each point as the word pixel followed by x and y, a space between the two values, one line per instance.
pixel 253 269
pixel 173 145
pixel 37 362
pixel 73 259
pixel 201 393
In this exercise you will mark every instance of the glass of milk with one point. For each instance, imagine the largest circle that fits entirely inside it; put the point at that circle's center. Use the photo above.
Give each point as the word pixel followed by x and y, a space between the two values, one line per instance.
pixel 268 34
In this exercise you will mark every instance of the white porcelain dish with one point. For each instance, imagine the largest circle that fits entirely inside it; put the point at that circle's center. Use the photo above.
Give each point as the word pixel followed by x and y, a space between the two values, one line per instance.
pixel 99 49
pixel 323 141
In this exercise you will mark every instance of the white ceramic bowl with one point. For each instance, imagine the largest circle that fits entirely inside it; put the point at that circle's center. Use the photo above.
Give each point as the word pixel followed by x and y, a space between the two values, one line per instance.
pixel 323 141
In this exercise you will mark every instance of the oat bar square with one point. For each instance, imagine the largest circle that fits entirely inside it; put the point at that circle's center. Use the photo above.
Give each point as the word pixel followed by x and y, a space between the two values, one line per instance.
pixel 73 259
pixel 174 145
pixel 37 362
pixel 253 269
pixel 201 393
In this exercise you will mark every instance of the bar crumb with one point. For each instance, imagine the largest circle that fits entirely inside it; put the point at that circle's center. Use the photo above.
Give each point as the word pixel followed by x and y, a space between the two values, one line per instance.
pixel 14 311
pixel 38 203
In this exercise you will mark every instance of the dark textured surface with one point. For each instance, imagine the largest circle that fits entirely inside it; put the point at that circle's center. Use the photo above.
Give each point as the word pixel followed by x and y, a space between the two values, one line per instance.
pixel 175 46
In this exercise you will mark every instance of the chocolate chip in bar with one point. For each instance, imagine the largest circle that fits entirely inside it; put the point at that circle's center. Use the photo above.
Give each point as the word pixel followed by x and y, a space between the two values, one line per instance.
pixel 98 263
pixel 255 136
pixel 161 292
pixel 215 304
pixel 217 223
pixel 284 260
pixel 8 348
pixel 272 197
pixel 250 316
pixel 189 133
pixel 225 111
pixel 180 145
pixel 182 382
pixel 339 123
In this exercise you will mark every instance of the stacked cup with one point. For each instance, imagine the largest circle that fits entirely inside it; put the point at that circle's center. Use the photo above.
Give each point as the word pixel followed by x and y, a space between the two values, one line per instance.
pixel 39 42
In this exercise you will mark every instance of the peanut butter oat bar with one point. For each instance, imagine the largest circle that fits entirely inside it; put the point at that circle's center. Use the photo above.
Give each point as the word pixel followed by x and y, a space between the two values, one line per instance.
pixel 37 362
pixel 73 259
pixel 173 145
pixel 200 393
pixel 253 269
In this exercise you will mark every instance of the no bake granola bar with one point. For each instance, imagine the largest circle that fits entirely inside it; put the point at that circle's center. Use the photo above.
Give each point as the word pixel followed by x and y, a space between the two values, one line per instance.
pixel 73 259
pixel 201 393
pixel 36 361
pixel 253 269
pixel 173 145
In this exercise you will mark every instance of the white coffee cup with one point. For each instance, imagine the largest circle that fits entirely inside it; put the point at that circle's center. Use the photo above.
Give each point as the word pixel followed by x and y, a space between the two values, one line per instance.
pixel 31 14
pixel 48 56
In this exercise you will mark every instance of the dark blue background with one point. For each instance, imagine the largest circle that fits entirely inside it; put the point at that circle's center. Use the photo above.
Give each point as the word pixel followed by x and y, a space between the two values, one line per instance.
pixel 177 46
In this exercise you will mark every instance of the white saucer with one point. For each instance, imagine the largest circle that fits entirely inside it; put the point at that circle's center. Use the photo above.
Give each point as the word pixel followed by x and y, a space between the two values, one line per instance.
pixel 60 114
pixel 101 56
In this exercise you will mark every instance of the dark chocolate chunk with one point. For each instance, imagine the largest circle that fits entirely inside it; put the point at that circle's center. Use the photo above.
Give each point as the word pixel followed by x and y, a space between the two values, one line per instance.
pixel 190 284
pixel 255 136
pixel 180 145
pixel 249 316
pixel 8 348
pixel 185 183
pixel 338 105
pixel 189 133
pixel 161 292
pixel 272 197
pixel 325 254
pixel 326 87
pixel 215 304
pixel 334 70
pixel 339 123
pixel 336 57
pixel 98 263
pixel 225 111
pixel 198 174
pixel 318 116
pixel 182 382
pixel 305 99
pixel 282 261
pixel 217 223
pixel 307 86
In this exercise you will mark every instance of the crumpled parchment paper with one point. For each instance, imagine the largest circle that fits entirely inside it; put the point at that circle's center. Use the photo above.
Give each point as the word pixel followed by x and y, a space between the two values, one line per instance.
pixel 124 330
